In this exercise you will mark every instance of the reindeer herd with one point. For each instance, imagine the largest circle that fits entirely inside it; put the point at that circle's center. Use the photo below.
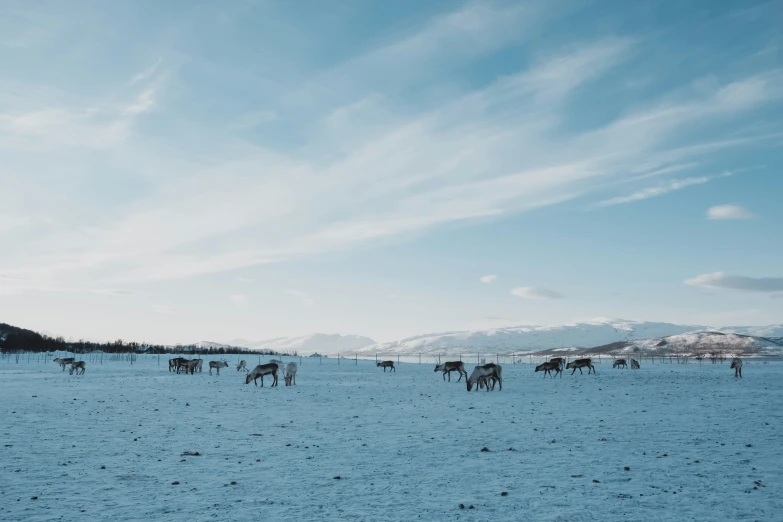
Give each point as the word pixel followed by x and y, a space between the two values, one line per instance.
pixel 275 366
pixel 484 376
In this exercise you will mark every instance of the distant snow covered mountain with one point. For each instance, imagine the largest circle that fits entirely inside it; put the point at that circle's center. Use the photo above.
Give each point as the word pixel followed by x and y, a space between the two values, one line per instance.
pixel 771 331
pixel 705 342
pixel 602 334
pixel 321 343
pixel 597 332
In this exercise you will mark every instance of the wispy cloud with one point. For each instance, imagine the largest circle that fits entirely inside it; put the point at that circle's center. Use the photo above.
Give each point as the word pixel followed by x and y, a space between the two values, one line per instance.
pixel 734 282
pixel 488 278
pixel 355 160
pixel 532 292
pixel 652 192
pixel 238 298
pixel 302 296
pixel 147 73
pixel 144 102
pixel 728 212
pixel 113 291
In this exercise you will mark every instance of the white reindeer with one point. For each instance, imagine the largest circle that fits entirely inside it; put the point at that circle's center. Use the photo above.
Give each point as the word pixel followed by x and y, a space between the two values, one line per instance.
pixel 280 365
pixel 217 365
pixel 290 374
pixel 199 362
pixel 486 373
pixel 260 371
pixel 64 362
pixel 242 366
pixel 78 365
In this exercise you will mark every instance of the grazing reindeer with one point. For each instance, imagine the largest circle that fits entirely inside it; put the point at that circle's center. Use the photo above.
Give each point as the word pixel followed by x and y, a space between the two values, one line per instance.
pixel 486 373
pixel 78 365
pixel 290 374
pixel 736 365
pixel 260 371
pixel 217 365
pixel 174 363
pixel 453 366
pixel 64 362
pixel 386 364
pixel 182 364
pixel 619 362
pixel 189 366
pixel 559 360
pixel 197 367
pixel 547 368
pixel 488 382
pixel 579 364
pixel 634 364
pixel 241 366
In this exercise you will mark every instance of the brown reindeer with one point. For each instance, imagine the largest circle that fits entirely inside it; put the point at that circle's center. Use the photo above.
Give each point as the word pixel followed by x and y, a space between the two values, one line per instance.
pixel 578 364
pixel 259 372
pixel 619 362
pixel 559 360
pixel 547 368
pixel 634 364
pixel 188 366
pixel 386 364
pixel 174 363
pixel 78 365
pixel 736 365
pixel 452 366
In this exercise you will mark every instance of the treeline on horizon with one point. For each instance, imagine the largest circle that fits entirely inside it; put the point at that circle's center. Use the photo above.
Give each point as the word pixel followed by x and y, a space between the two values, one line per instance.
pixel 14 339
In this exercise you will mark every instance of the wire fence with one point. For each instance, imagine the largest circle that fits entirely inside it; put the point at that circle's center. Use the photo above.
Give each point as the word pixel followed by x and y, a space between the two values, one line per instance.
pixel 354 358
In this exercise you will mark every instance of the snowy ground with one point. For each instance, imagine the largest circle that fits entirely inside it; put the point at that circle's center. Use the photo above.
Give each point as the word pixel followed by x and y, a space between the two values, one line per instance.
pixel 699 444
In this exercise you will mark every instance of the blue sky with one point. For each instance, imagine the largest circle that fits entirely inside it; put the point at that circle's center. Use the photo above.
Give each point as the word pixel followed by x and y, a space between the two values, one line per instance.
pixel 180 171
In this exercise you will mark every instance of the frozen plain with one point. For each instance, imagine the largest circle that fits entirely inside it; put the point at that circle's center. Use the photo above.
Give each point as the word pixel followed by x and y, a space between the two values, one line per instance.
pixel 699 444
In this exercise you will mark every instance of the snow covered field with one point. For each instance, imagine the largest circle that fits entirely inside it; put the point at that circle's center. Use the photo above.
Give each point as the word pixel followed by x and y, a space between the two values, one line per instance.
pixel 109 445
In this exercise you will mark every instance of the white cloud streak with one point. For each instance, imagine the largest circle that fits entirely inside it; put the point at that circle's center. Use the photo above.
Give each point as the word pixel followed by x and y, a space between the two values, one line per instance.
pixel 305 299
pixel 728 212
pixel 238 298
pixel 113 291
pixel 532 292
pixel 488 278
pixel 734 282
pixel 652 192
pixel 147 73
